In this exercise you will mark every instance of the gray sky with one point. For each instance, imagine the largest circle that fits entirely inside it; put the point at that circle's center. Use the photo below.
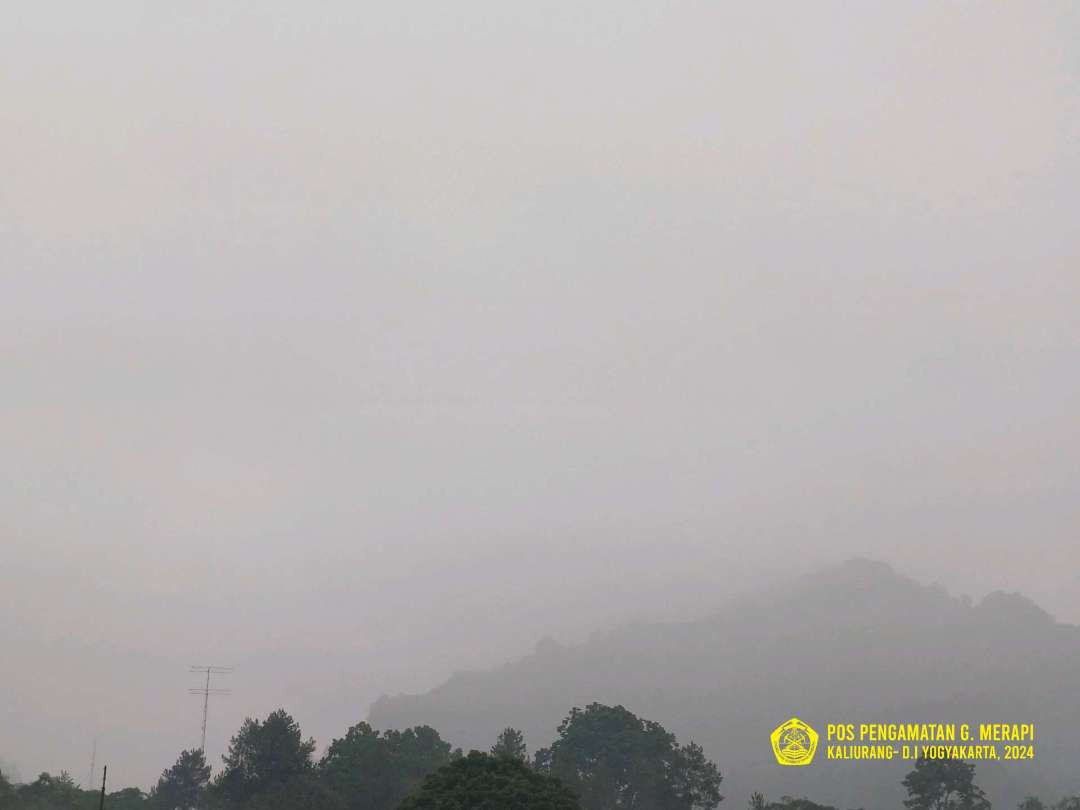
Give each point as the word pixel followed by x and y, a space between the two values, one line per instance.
pixel 355 344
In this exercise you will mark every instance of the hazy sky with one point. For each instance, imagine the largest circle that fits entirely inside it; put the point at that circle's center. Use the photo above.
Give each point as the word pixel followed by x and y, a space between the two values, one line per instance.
pixel 354 344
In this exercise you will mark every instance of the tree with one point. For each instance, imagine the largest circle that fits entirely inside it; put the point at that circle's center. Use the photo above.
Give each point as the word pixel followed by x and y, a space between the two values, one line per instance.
pixel 1068 803
pixel 373 771
pixel 129 798
pixel 510 743
pixel 263 756
pixel 757 801
pixel 183 786
pixel 612 759
pixel 7 792
pixel 484 782
pixel 789 803
pixel 943 784
pixel 53 792
pixel 303 792
pixel 1031 803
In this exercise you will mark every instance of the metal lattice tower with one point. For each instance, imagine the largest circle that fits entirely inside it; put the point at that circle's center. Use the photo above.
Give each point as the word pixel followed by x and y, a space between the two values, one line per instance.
pixel 206 691
pixel 93 765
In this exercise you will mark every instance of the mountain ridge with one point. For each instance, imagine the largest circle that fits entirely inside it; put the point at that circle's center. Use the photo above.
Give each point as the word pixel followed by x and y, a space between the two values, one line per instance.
pixel 854 642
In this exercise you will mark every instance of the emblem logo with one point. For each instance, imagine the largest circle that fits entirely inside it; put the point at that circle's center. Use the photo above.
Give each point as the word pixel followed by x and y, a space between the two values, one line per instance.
pixel 794 743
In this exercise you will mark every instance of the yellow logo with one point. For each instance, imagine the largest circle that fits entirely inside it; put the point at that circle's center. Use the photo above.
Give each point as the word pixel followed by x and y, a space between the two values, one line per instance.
pixel 794 743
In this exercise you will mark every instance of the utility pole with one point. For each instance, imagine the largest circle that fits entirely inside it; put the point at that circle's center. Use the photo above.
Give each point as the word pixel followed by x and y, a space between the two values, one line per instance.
pixel 104 773
pixel 206 691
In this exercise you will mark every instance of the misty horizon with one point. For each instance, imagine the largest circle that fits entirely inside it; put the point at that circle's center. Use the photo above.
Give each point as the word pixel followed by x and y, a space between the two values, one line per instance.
pixel 263 688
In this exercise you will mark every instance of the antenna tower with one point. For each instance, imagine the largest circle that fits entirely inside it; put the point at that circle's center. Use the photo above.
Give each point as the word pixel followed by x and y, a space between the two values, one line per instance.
pixel 206 691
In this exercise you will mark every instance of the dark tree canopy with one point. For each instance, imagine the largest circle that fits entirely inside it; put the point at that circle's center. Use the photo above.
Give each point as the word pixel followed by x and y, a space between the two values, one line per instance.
pixel 787 803
pixel 263 756
pixel 303 792
pixel 510 743
pixel 47 791
pixel 613 759
pixel 129 798
pixel 484 782
pixel 183 786
pixel 943 784
pixel 7 792
pixel 373 771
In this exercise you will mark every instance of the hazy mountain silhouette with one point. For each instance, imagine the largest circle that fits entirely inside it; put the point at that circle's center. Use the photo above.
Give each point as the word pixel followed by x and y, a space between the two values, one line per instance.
pixel 853 643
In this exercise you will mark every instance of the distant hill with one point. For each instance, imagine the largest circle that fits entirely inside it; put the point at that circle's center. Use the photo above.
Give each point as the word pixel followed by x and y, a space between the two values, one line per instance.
pixel 852 643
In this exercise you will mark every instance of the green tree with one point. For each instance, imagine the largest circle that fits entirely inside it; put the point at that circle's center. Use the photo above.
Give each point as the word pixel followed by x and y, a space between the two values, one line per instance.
pixel 484 782
pixel 510 743
pixel 943 784
pixel 612 759
pixel 53 792
pixel 7 792
pixel 1068 803
pixel 373 771
pixel 757 801
pixel 789 803
pixel 1031 803
pixel 302 792
pixel 130 798
pixel 263 756
pixel 183 786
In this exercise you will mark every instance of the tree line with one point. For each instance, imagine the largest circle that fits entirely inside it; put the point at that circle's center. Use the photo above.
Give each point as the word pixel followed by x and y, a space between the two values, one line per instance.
pixel 603 758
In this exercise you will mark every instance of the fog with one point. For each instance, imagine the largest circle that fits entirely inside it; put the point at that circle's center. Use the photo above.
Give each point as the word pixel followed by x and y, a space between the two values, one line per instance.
pixel 352 345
